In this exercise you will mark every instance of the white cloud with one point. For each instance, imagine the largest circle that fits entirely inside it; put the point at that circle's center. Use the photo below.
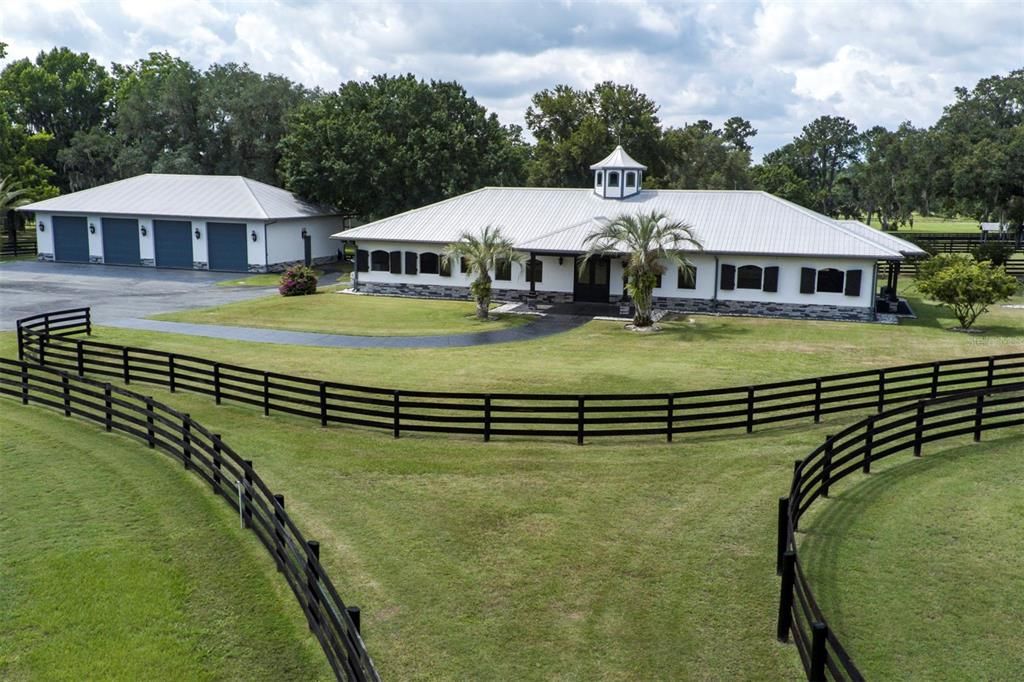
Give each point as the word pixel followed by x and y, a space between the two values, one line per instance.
pixel 780 64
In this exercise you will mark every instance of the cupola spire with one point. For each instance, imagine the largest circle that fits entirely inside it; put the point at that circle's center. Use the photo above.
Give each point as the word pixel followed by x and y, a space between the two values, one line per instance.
pixel 617 175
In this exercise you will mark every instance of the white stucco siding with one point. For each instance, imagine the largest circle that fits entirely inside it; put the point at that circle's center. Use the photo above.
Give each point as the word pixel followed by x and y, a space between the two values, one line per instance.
pixel 555 277
pixel 284 238
pixel 789 281
pixel 44 239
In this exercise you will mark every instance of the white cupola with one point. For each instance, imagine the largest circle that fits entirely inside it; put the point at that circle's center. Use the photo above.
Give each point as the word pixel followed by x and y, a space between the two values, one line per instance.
pixel 618 175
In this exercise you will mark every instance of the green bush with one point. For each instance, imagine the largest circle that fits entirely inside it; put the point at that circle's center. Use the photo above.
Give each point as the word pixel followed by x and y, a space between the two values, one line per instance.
pixel 995 252
pixel 297 280
pixel 965 285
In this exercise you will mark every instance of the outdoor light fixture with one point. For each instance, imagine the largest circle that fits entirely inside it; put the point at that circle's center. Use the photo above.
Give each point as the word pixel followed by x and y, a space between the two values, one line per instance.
pixel 305 233
pixel 253 235
pixel 143 230
pixel 560 259
pixel 42 227
pixel 92 229
pixel 198 233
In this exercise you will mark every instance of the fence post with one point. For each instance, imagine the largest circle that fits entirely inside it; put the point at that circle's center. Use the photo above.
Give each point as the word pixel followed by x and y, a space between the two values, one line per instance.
pixel 783 533
pixel 826 467
pixel 580 419
pixel 126 368
pixel 313 554
pixel 247 495
pixel 397 415
pixel 817 401
pixel 881 390
pixel 670 417
pixel 186 439
pixel 869 437
pixel 42 351
pixel 150 440
pixel 88 321
pixel 785 620
pixel 216 463
pixel 354 615
pixel 797 463
pixel 170 372
pixel 990 372
pixel 918 428
pixel 66 388
pixel 266 394
pixel 108 409
pixel 819 638
pixel 979 406
pixel 935 379
pixel 216 383
pixel 24 384
pixel 323 403
pixel 81 357
pixel 487 418
pixel 278 534
pixel 21 343
pixel 750 409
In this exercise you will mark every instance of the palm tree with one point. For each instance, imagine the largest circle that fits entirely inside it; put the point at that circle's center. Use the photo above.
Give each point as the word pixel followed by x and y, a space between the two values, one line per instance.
pixel 481 254
pixel 11 197
pixel 649 239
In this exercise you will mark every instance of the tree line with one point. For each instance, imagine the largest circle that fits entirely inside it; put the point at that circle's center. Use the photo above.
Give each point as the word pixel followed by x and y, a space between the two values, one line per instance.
pixel 373 148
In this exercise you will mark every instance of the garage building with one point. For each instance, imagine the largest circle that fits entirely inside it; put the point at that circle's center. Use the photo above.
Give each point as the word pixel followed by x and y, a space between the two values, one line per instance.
pixel 201 222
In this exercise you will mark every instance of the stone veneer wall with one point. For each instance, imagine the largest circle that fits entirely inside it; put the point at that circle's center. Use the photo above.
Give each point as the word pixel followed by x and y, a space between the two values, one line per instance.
pixel 459 293
pixel 281 267
pixel 798 311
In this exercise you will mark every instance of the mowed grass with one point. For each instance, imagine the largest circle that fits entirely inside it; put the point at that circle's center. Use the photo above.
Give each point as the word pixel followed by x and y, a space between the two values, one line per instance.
pixel 919 565
pixel 331 312
pixel 939 224
pixel 268 279
pixel 116 565
pixel 692 352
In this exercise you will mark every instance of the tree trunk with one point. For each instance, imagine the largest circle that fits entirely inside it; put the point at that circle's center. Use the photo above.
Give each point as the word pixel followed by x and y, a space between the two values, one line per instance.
pixel 642 307
pixel 483 308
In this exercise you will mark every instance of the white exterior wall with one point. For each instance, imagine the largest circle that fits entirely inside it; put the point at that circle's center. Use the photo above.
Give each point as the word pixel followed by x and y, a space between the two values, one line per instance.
pixel 284 238
pixel 555 277
pixel 257 250
pixel 44 239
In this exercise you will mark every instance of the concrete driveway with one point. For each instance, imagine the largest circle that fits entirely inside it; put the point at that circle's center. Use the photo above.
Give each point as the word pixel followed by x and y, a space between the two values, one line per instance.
pixel 113 292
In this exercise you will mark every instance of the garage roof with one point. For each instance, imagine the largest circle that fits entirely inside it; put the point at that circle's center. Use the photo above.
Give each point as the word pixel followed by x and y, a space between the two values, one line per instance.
pixel 225 197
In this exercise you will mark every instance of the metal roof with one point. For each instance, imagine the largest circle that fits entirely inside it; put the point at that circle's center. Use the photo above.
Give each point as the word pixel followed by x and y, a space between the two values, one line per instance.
pixel 202 196
pixel 884 239
pixel 618 159
pixel 558 220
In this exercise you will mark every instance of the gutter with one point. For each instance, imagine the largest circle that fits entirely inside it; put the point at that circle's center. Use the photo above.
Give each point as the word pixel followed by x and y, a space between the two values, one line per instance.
pixel 714 297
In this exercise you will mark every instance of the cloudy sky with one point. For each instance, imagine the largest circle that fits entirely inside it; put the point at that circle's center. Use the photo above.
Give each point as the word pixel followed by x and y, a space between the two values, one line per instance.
pixel 779 64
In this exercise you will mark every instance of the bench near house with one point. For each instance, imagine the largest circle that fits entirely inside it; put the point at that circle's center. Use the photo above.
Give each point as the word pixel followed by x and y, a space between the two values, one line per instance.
pixel 202 222
pixel 761 255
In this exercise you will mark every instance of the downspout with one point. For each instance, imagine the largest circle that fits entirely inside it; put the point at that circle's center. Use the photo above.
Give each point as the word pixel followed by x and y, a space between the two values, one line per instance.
pixel 355 263
pixel 266 247
pixel 714 298
pixel 874 292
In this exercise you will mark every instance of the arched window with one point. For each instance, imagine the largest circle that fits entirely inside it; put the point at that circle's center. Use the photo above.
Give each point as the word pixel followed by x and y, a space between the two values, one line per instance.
pixel 428 263
pixel 503 269
pixel 380 260
pixel 631 179
pixel 599 178
pixel 613 178
pixel 748 277
pixel 830 280
pixel 535 270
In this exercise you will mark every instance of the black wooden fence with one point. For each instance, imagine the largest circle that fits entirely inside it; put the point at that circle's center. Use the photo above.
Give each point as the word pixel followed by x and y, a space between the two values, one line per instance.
pixel 46 339
pixel 854 449
pixel 958 242
pixel 233 478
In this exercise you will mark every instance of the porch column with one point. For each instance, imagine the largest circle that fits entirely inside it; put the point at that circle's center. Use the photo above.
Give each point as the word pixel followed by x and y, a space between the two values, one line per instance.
pixel 896 282
pixel 533 275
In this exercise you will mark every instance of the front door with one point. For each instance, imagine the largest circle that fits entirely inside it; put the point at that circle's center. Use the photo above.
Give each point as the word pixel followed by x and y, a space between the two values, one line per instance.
pixel 592 280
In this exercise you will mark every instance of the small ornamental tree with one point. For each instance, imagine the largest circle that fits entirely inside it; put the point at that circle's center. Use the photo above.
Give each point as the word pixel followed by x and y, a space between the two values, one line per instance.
pixel 482 253
pixel 966 286
pixel 298 280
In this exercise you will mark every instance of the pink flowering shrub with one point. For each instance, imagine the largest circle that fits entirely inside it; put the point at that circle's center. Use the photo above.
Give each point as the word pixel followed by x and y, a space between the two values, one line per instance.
pixel 297 280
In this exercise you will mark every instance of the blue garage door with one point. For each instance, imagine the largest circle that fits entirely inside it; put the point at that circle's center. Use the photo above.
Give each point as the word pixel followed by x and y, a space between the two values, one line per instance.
pixel 172 240
pixel 121 241
pixel 70 239
pixel 227 247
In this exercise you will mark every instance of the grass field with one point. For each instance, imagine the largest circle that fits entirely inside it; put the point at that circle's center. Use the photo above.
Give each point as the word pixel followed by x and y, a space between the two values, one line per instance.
pixel 925 556
pixel 937 224
pixel 116 565
pixel 268 279
pixel 330 312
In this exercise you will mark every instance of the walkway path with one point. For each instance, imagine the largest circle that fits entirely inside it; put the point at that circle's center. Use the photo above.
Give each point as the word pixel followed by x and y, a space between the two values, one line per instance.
pixel 544 326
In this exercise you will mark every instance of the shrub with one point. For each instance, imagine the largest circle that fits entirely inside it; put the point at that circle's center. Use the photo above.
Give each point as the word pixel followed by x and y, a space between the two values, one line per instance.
pixel 961 283
pixel 297 280
pixel 995 252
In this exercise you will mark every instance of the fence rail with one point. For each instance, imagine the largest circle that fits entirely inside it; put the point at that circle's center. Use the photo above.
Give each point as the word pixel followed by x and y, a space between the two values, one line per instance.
pixel 958 242
pixel 17 242
pixel 46 339
pixel 1014 267
pixel 855 449
pixel 234 479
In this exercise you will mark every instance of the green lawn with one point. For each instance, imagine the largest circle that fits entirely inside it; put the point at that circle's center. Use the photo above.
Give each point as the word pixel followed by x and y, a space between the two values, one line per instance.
pixel 918 566
pixel 602 357
pixel 115 564
pixel 269 279
pixel 330 312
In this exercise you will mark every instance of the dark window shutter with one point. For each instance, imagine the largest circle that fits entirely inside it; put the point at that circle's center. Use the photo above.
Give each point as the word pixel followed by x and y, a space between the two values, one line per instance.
pixel 362 260
pixel 410 262
pixel 771 278
pixel 446 267
pixel 728 282
pixel 396 262
pixel 463 265
pixel 853 282
pixel 807 280
pixel 657 281
pixel 687 278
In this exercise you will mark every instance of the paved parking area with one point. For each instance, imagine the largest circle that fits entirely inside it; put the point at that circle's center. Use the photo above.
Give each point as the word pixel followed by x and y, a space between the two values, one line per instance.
pixel 113 292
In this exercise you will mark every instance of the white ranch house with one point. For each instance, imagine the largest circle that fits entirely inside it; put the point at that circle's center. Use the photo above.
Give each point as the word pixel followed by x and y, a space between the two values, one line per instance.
pixel 761 255
pixel 201 222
